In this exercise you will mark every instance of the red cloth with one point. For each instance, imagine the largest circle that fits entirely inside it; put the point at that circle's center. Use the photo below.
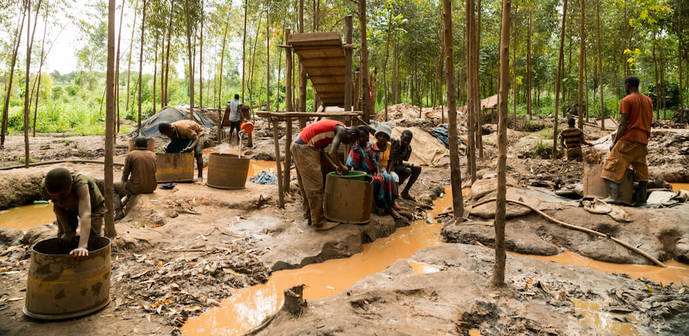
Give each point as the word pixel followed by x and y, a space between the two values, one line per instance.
pixel 319 134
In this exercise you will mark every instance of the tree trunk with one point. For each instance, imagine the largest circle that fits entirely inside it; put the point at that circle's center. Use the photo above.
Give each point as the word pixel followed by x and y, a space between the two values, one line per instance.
pixel 500 203
pixel 363 52
pixel 246 8
pixel 528 66
pixel 471 95
pixel 277 82
pixel 40 72
pixel 201 61
pixel 455 172
pixel 129 63
pixel 655 64
pixel 13 62
pixel 167 56
pixel 141 63
pixel 110 124
pixel 600 67
pixel 679 66
pixel 514 74
pixel 155 73
pixel 222 61
pixel 558 78
pixel 191 61
pixel 267 59
pixel 385 63
pixel 582 63
pixel 348 64
pixel 117 74
pixel 27 75
pixel 301 104
pixel 253 62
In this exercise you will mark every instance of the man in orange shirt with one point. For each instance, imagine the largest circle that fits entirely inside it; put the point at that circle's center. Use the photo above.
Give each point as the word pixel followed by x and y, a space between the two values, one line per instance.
pixel 631 139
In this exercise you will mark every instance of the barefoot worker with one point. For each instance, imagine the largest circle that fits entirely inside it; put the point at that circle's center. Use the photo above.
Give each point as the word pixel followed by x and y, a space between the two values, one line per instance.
pixel 571 139
pixel 629 146
pixel 399 153
pixel 139 173
pixel 306 151
pixel 77 202
pixel 186 133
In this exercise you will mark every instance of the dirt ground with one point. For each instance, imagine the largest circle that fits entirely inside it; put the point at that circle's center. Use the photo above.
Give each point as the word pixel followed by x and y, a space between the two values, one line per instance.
pixel 180 252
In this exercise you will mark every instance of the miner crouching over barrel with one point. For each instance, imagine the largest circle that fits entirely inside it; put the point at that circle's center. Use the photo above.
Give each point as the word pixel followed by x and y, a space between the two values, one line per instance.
pixel 77 202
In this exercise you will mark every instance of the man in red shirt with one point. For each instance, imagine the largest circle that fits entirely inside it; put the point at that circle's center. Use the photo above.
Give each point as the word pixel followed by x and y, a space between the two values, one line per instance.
pixel 631 140
pixel 306 151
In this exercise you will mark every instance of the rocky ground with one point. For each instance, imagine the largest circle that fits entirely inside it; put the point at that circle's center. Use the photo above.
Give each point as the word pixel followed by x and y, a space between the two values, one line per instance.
pixel 180 252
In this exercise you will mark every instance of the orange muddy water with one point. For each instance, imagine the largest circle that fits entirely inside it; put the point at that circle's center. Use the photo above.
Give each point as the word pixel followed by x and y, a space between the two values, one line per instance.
pixel 593 316
pixel 27 217
pixel 676 272
pixel 246 308
pixel 678 186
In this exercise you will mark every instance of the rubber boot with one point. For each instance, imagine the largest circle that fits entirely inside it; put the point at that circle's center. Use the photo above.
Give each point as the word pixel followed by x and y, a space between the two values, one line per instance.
pixel 614 196
pixel 640 194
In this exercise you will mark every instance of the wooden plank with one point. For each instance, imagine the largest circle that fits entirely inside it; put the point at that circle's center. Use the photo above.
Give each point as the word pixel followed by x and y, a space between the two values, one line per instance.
pixel 319 80
pixel 325 71
pixel 317 38
pixel 325 62
pixel 269 114
pixel 320 52
pixel 335 87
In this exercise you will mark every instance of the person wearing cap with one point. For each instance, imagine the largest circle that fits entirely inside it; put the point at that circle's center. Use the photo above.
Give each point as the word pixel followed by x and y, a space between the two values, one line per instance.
pixel 382 147
pixel 400 151
pixel 306 150
pixel 233 108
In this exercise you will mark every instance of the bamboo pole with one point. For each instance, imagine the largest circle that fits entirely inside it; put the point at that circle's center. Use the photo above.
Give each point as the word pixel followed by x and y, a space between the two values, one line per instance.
pixel 278 164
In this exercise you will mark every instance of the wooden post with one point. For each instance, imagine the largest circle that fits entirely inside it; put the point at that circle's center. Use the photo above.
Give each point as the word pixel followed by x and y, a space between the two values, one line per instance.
pixel 357 86
pixel 558 77
pixel 276 139
pixel 289 108
pixel 348 64
pixel 110 231
pixel 301 105
pixel 267 58
pixel 363 53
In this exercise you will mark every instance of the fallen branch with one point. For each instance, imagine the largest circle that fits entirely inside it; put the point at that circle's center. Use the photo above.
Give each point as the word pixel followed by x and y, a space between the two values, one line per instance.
pixel 45 163
pixel 579 228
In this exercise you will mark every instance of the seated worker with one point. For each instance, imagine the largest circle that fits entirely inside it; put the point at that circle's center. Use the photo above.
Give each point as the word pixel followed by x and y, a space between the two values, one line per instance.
pixel 139 173
pixel 571 139
pixel 364 157
pixel 400 151
pixel 629 147
pixel 383 135
pixel 306 151
pixel 185 130
pixel 235 117
pixel 77 202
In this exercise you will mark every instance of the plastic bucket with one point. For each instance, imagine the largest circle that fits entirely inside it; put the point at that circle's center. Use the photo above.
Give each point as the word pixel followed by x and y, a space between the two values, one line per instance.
pixel 60 287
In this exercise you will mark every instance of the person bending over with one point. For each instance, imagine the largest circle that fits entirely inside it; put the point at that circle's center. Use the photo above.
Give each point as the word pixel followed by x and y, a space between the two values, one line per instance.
pixel 188 135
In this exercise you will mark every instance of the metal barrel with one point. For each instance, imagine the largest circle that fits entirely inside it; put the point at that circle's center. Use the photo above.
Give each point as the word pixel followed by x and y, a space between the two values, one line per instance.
pixel 347 200
pixel 61 287
pixel 174 167
pixel 227 171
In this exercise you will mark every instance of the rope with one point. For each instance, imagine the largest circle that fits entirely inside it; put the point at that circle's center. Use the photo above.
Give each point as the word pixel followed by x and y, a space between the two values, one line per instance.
pixel 579 228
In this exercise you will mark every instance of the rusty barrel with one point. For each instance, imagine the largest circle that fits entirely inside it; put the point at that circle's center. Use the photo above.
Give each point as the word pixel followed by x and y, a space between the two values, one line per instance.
pixel 597 187
pixel 348 199
pixel 227 171
pixel 150 144
pixel 61 287
pixel 174 167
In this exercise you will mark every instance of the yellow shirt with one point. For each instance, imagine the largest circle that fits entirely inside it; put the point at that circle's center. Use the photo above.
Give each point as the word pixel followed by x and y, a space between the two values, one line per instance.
pixel 384 156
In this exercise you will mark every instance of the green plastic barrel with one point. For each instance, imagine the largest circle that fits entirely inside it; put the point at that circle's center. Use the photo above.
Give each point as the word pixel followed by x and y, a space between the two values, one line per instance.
pixel 352 175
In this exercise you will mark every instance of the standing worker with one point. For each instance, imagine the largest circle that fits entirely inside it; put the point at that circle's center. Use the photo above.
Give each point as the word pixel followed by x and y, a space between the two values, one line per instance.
pixel 189 132
pixel 571 139
pixel 630 144
pixel 235 117
pixel 306 151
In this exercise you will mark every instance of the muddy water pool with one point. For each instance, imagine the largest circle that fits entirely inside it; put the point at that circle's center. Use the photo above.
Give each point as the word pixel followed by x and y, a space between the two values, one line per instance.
pixel 27 217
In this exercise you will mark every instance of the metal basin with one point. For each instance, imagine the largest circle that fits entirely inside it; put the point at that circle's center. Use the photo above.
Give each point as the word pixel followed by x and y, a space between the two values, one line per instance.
pixel 61 287
pixel 174 167
pixel 227 171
